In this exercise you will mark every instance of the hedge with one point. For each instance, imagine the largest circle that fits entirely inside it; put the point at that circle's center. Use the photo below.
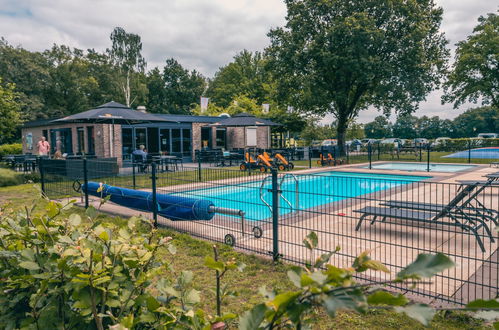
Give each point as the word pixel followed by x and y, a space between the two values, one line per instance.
pixel 11 149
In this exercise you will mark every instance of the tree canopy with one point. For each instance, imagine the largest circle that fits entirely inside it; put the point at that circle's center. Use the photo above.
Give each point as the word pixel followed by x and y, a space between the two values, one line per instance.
pixel 475 73
pixel 340 57
pixel 246 75
pixel 125 54
pixel 10 111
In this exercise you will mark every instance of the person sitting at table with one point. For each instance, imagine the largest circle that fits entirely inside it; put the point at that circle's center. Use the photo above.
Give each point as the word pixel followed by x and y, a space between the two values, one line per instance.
pixel 140 156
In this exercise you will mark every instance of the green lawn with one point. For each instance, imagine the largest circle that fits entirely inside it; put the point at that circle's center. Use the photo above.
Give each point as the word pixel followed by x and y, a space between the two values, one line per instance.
pixel 259 272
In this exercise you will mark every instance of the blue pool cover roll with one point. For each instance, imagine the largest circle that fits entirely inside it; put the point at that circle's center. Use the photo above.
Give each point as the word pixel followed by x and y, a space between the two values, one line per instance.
pixel 172 207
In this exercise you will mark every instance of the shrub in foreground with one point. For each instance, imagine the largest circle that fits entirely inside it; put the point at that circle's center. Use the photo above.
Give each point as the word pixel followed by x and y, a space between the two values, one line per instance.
pixel 82 272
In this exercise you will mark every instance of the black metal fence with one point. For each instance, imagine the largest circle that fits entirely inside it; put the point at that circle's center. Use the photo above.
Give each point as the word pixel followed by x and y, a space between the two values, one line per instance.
pixel 275 211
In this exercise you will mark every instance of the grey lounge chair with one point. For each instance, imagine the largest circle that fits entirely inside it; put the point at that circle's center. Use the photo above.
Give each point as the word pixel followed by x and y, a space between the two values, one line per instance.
pixel 458 218
pixel 465 209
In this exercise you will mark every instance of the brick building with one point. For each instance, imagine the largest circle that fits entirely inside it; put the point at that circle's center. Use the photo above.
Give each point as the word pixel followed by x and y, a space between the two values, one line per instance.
pixel 182 135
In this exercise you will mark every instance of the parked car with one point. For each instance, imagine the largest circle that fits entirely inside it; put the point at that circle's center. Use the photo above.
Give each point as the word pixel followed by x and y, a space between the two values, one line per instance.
pixel 329 143
pixel 440 141
pixel 353 143
pixel 420 142
pixel 394 141
pixel 367 141
pixel 488 135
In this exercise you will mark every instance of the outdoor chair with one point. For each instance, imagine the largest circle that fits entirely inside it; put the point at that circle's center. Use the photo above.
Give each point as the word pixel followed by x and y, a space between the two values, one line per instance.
pixel 141 164
pixel 459 217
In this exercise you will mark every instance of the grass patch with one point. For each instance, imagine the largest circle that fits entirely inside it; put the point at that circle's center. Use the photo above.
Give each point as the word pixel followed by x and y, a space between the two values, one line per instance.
pixel 259 272
pixel 10 178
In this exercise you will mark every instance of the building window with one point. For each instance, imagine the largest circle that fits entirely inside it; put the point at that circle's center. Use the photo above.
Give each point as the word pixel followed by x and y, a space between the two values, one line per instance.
pixel 206 137
pixel 61 140
pixel 140 137
pixel 176 141
pixel 80 136
pixel 164 140
pixel 90 140
pixel 251 136
pixel 127 141
pixel 186 142
pixel 221 138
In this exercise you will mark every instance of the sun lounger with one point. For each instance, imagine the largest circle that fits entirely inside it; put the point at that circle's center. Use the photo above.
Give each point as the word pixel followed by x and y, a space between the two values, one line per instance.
pixel 424 217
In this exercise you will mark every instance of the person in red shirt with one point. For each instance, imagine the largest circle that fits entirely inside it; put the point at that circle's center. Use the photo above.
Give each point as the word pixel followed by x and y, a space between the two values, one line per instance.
pixel 43 147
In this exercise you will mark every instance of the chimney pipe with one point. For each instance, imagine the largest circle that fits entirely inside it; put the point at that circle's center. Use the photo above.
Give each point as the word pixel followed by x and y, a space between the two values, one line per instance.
pixel 141 108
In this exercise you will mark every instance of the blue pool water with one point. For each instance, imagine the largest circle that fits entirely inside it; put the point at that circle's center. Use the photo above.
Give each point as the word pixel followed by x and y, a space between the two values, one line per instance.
pixel 313 190
pixel 421 167
pixel 482 153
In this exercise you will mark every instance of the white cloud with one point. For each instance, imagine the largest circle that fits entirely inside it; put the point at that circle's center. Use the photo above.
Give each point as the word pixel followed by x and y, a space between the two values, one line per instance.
pixel 201 34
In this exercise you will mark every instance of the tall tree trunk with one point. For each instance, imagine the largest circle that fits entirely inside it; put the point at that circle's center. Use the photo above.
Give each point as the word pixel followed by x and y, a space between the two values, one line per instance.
pixel 127 89
pixel 341 132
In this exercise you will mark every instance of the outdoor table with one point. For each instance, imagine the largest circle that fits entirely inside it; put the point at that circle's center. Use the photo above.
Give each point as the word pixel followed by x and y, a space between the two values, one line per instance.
pixel 165 161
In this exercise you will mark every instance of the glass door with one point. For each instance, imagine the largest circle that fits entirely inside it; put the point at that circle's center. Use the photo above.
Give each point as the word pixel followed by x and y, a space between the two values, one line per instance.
pixel 164 140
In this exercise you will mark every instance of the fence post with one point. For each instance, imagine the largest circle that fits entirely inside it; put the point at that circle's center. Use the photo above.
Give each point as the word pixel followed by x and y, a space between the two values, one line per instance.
pixel 428 147
pixel 275 216
pixel 154 201
pixel 309 157
pixel 42 174
pixel 85 180
pixel 347 153
pixel 200 177
pixel 334 155
pixel 469 151
pixel 369 151
pixel 379 149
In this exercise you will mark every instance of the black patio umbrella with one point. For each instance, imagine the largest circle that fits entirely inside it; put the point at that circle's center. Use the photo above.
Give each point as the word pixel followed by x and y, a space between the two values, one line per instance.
pixel 112 113
pixel 244 119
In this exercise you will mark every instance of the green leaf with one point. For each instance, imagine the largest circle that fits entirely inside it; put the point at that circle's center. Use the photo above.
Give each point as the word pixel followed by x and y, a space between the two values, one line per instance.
pixel 284 299
pixel 319 277
pixel 386 298
pixel 323 259
pixel 252 319
pixel 29 265
pixel 419 312
pixel 74 219
pixel 192 297
pixel 91 212
pixel 215 265
pixel 172 249
pixel 426 265
pixel 152 304
pixel 487 315
pixel 104 235
pixel 376 265
pixel 52 209
pixel 311 241
pixel 351 300
pixel 295 278
pixel 480 303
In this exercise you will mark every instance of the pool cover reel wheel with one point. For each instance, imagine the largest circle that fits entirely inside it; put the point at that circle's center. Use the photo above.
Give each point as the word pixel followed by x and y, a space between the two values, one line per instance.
pixel 257 232
pixel 230 240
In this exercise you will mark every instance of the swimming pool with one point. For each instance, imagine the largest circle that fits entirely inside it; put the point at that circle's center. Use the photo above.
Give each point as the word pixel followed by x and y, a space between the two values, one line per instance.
pixel 421 167
pixel 313 190
pixel 483 153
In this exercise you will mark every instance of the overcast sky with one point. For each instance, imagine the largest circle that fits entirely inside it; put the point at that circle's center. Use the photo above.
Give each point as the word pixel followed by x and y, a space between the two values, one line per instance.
pixel 201 34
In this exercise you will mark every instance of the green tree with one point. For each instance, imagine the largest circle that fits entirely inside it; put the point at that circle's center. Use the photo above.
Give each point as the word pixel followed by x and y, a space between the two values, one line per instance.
pixel 246 75
pixel 10 111
pixel 379 128
pixel 474 74
pixel 477 120
pixel 339 57
pixel 125 54
pixel 406 127
pixel 181 88
pixel 29 71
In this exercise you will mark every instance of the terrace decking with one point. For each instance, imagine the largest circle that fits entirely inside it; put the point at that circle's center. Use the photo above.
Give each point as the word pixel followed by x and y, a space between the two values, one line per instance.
pixel 395 243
